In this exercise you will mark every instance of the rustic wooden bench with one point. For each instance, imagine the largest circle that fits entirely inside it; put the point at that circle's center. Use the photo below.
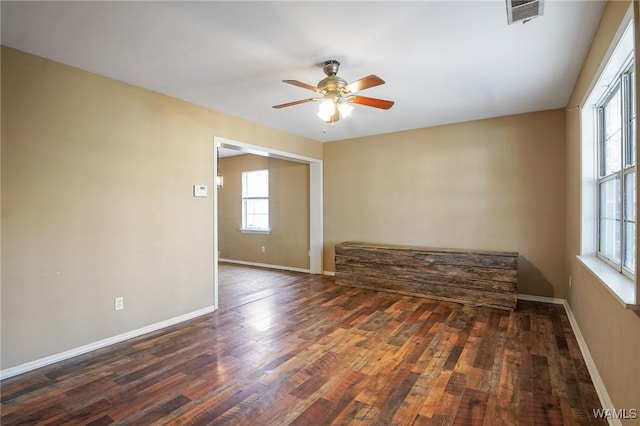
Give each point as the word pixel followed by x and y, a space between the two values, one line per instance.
pixel 472 277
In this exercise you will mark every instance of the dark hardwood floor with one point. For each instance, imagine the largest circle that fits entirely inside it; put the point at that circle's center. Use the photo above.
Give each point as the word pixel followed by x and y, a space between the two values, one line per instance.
pixel 294 349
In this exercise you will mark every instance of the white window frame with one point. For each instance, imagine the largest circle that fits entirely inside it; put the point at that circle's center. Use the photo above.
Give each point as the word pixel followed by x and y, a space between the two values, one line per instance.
pixel 622 83
pixel 622 286
pixel 246 199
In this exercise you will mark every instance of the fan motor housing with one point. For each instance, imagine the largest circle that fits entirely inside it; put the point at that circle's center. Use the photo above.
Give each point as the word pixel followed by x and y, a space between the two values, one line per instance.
pixel 331 84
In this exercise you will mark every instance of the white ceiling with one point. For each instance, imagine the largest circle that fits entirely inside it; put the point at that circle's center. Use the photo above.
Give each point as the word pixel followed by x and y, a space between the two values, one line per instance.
pixel 443 61
pixel 229 152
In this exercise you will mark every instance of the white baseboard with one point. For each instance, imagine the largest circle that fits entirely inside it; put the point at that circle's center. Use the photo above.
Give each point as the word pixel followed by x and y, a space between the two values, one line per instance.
pixel 32 365
pixel 330 273
pixel 601 390
pixel 265 265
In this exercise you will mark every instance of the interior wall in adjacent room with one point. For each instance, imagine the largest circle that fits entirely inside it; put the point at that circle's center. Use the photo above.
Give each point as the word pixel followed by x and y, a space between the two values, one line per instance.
pixel 287 244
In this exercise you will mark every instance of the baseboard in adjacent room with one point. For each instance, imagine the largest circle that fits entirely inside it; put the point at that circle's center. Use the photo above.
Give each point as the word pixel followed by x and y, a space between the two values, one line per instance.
pixel 265 265
pixel 42 362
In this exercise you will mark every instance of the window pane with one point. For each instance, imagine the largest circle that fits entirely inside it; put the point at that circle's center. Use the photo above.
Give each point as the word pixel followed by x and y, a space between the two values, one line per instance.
pixel 257 206
pixel 257 184
pixel 612 115
pixel 630 246
pixel 630 196
pixel 612 144
pixel 611 154
pixel 610 219
pixel 630 221
pixel 631 146
pixel 610 199
pixel 261 206
pixel 610 239
pixel 631 143
pixel 258 221
pixel 257 213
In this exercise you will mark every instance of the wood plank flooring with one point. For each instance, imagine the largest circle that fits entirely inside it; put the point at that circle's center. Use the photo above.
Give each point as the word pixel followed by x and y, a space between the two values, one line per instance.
pixel 294 349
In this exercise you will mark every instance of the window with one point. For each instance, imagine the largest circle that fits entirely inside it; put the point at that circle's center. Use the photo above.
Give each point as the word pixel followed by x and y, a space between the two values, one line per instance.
pixel 255 201
pixel 616 179
pixel 608 171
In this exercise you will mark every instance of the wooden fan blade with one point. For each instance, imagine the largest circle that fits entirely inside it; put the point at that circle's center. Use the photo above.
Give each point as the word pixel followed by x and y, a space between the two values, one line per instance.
pixel 372 102
pixel 301 84
pixel 364 83
pixel 288 104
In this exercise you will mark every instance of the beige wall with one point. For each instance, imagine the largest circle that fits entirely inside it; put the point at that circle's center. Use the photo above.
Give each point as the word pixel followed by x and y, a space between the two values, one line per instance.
pixel 97 202
pixel 493 184
pixel 611 332
pixel 288 243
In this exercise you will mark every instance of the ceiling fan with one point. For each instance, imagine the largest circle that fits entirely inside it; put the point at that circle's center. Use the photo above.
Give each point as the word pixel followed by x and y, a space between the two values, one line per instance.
pixel 337 95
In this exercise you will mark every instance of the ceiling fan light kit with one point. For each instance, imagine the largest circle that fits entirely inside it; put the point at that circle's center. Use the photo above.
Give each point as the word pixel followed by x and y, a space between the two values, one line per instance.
pixel 327 108
pixel 332 108
pixel 337 94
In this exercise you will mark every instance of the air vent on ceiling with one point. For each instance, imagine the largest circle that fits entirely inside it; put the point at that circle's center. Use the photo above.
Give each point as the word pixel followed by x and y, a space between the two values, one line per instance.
pixel 523 10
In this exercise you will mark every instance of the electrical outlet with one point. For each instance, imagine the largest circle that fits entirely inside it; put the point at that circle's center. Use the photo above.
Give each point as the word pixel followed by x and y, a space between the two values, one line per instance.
pixel 263 249
pixel 118 303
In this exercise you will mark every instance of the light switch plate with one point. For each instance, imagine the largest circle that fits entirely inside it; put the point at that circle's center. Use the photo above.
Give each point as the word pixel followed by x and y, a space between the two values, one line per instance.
pixel 199 190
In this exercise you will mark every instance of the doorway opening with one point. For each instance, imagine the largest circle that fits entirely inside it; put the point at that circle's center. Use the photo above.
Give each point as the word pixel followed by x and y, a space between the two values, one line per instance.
pixel 315 201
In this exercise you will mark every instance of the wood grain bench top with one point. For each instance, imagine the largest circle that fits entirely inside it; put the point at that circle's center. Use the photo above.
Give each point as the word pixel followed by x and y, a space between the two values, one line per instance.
pixel 359 244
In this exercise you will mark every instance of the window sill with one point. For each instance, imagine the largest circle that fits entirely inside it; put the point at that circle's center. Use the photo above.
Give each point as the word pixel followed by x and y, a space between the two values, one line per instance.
pixel 620 286
pixel 254 231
